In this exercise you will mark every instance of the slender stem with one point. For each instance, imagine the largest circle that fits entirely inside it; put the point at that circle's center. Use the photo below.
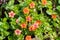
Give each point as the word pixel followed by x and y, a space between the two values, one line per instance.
pixel 41 10
pixel 54 4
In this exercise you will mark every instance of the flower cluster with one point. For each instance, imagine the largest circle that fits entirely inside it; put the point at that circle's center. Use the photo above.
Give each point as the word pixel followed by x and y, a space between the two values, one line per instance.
pixel 35 25
pixel 29 20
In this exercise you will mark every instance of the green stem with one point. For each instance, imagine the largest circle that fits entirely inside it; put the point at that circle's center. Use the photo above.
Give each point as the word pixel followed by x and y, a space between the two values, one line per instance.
pixel 41 10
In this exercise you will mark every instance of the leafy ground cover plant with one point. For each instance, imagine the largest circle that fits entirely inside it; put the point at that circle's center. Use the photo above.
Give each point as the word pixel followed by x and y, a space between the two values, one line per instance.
pixel 29 20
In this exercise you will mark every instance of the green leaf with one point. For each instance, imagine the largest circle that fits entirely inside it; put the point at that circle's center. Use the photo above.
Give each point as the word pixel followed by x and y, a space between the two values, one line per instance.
pixel 59 1
pixel 6 14
pixel 49 12
pixel 10 4
pixel 49 4
pixel 5 26
pixel 58 8
pixel 58 38
pixel 1 38
pixel 5 33
pixel 21 37
pixel 5 19
pixel 1 23
pixel 10 38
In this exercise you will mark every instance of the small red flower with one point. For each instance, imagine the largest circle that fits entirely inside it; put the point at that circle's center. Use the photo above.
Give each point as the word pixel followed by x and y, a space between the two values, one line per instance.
pixel 28 37
pixel 44 2
pixel 11 14
pixel 23 25
pixel 18 32
pixel 17 20
pixel 28 18
pixel 26 10
pixel 38 22
pixel 54 16
pixel 32 28
pixel 32 5
pixel 35 25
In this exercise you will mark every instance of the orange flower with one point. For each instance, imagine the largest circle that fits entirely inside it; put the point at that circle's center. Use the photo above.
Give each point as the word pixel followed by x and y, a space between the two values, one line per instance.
pixel 32 28
pixel 23 25
pixel 54 16
pixel 18 32
pixel 44 2
pixel 32 5
pixel 28 18
pixel 38 22
pixel 35 25
pixel 28 37
pixel 26 10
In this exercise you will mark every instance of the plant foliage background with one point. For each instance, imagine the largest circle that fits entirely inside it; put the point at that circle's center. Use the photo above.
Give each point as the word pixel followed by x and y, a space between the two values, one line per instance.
pixel 48 14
